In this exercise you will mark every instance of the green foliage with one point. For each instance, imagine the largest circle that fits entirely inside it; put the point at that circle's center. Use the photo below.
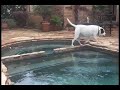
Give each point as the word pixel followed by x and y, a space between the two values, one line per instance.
pixel 20 18
pixel 56 20
pixel 43 10
pixel 101 12
pixel 99 7
pixel 7 10
pixel 11 22
pixel 31 24
pixel 105 9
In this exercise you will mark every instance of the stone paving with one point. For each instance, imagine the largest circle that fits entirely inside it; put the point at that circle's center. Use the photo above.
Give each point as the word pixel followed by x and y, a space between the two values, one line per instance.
pixel 4 74
pixel 27 34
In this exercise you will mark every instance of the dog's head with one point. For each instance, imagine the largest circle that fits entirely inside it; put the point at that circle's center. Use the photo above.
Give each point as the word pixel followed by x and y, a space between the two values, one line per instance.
pixel 101 31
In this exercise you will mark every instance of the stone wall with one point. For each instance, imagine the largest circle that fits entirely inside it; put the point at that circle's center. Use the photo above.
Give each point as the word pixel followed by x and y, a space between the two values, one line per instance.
pixel 59 10
pixel 67 11
pixel 84 12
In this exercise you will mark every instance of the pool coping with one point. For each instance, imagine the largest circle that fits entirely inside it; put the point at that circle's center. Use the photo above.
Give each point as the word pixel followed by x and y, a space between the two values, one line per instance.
pixel 58 51
pixel 17 42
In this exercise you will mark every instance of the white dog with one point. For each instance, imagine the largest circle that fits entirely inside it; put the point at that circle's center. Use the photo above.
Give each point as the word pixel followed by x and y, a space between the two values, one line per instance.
pixel 87 32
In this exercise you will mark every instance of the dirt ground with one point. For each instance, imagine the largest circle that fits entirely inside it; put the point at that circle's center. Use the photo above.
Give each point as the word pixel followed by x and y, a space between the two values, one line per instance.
pixel 26 34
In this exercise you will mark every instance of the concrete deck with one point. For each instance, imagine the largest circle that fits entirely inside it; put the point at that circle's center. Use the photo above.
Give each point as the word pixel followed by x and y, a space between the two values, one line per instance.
pixel 9 36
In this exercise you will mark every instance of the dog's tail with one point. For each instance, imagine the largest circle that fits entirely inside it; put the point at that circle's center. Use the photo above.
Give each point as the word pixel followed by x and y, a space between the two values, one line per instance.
pixel 71 23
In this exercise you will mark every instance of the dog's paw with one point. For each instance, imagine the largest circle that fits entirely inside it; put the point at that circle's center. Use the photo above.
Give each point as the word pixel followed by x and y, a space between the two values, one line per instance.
pixel 81 44
pixel 72 45
pixel 97 42
pixel 87 42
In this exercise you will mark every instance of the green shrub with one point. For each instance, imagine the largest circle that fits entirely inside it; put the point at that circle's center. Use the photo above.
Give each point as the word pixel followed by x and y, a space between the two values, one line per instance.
pixel 44 10
pixel 7 10
pixel 56 20
pixel 11 22
pixel 31 24
pixel 20 18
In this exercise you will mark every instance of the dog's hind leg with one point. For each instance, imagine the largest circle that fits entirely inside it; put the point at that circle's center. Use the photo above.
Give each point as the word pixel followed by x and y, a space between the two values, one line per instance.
pixel 96 39
pixel 79 41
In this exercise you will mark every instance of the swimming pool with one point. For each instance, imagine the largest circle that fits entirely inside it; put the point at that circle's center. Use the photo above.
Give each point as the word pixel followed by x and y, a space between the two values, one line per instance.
pixel 30 46
pixel 85 67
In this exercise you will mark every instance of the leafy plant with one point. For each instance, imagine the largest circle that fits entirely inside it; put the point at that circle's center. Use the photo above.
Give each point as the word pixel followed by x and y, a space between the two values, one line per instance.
pixel 56 20
pixel 11 22
pixel 21 18
pixel 101 12
pixel 31 24
pixel 99 7
pixel 7 10
pixel 43 10
pixel 105 9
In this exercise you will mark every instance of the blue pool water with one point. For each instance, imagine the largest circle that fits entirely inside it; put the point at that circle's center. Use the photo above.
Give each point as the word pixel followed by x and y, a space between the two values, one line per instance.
pixel 20 49
pixel 75 68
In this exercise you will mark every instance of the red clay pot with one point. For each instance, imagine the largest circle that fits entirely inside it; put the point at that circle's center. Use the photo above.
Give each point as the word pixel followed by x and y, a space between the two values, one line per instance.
pixel 4 25
pixel 45 26
pixel 54 27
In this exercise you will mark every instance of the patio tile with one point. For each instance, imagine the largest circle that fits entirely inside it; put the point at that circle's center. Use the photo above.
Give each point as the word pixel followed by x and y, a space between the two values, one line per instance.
pixel 26 34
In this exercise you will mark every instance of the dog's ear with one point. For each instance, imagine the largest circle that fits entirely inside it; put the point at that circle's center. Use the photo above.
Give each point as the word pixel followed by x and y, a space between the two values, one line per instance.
pixel 102 31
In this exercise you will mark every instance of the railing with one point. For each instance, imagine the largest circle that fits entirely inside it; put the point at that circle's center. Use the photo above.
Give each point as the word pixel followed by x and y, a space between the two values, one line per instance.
pixel 107 21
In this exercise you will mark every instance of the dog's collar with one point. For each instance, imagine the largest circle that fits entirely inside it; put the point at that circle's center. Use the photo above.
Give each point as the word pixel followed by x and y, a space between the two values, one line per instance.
pixel 98 32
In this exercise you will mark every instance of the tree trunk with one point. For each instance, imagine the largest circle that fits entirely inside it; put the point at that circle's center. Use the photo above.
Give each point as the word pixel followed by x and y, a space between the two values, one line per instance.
pixel 117 13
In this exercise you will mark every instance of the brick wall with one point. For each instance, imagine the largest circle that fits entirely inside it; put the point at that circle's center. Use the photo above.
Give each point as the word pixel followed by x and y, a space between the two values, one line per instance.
pixel 68 13
pixel 84 12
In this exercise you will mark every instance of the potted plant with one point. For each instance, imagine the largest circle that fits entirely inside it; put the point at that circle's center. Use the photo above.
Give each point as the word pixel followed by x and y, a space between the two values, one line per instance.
pixel 4 24
pixel 56 23
pixel 45 11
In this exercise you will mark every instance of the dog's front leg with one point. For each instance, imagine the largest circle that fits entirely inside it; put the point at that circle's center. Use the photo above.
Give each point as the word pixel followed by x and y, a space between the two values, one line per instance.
pixel 76 36
pixel 87 42
pixel 76 40
pixel 96 39
pixel 72 42
pixel 79 42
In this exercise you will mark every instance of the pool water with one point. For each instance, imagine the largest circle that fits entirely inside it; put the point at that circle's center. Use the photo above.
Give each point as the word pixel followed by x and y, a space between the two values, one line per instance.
pixel 75 68
pixel 32 48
